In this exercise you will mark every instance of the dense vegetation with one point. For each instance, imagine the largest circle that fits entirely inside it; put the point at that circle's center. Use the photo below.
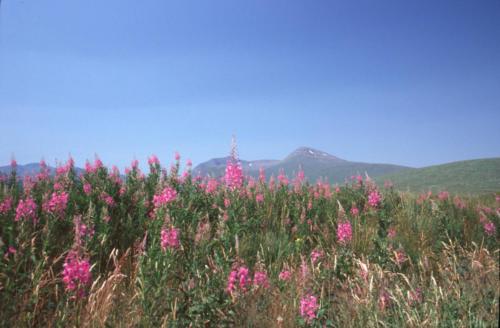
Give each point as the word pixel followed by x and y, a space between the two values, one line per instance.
pixel 167 249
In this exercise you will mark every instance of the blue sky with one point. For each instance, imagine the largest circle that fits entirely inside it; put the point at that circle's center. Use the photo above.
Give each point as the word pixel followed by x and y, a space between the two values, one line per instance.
pixel 405 82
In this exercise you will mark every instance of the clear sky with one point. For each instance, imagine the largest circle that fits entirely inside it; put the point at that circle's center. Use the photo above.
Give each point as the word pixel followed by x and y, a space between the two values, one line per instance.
pixel 404 82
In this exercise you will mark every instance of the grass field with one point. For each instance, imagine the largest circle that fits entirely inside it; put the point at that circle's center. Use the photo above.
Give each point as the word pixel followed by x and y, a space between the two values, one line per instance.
pixel 480 176
pixel 166 249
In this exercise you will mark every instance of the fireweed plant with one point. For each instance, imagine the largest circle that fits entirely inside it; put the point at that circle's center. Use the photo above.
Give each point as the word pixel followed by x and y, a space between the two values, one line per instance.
pixel 171 249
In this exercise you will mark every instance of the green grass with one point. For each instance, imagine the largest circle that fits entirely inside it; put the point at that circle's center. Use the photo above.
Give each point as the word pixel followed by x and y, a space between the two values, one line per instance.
pixel 465 177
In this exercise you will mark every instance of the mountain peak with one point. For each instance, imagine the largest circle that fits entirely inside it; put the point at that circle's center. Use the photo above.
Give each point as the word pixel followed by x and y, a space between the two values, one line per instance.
pixel 309 152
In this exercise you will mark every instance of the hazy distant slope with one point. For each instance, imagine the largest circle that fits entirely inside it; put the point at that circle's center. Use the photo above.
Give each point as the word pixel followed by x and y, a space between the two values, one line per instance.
pixel 31 169
pixel 472 176
pixel 315 164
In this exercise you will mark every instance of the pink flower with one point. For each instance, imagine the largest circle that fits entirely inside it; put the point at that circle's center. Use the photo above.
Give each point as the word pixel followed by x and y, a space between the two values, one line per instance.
pixel 169 238
pixel 26 209
pixel 259 198
pixel 315 256
pixel 76 274
pixel 87 188
pixel 177 156
pixel 28 184
pixel 285 275
pixel 153 160
pixel 189 163
pixel 238 277
pixel 391 233
pixel 308 307
pixel 58 186
pixel 354 211
pixel 344 232
pixel 166 196
pixel 227 202
pixel 212 185
pixel 231 281
pixel 260 279
pixel 97 163
pixel 234 174
pixel 6 205
pixel 244 280
pixel 44 171
pixel 489 228
pixel 374 198
pixel 12 250
pixel 13 163
pixel 56 204
pixel 89 168
pixel 282 178
pixel 299 180
pixel 443 195
pixel 108 199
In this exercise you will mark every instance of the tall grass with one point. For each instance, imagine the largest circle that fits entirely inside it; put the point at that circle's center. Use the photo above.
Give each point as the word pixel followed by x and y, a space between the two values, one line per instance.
pixel 411 260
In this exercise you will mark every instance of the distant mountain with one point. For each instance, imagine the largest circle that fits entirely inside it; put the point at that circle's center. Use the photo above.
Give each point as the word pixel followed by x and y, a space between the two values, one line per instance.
pixel 472 176
pixel 315 164
pixel 31 169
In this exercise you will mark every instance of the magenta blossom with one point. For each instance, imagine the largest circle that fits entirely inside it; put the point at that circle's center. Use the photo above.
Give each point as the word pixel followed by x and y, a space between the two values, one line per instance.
pixel 443 195
pixel 489 228
pixel 76 274
pixel 315 256
pixel 26 209
pixel 108 199
pixel 56 204
pixel 238 277
pixel 6 205
pixel 374 199
pixel 354 211
pixel 234 174
pixel 169 238
pixel 344 232
pixel 260 279
pixel 166 196
pixel 87 188
pixel 285 275
pixel 308 307
pixel 153 160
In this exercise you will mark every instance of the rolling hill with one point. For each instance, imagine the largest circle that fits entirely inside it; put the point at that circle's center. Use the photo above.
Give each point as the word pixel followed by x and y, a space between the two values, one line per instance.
pixel 472 176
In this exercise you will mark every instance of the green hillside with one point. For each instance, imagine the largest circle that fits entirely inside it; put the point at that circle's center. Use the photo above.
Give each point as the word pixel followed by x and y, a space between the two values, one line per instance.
pixel 473 176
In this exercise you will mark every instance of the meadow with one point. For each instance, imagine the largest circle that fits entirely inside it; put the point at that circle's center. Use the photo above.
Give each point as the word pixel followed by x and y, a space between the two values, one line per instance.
pixel 168 249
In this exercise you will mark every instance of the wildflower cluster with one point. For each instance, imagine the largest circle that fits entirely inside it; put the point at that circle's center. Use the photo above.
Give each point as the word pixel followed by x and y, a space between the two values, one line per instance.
pixel 169 238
